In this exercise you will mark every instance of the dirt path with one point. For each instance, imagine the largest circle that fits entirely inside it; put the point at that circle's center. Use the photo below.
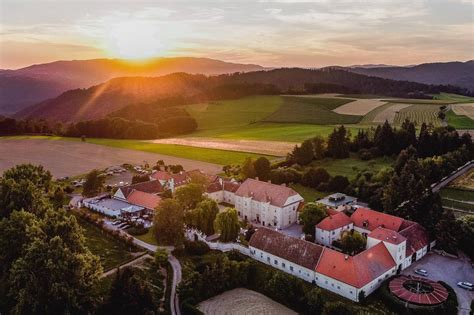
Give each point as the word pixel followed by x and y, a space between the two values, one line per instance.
pixel 69 158
pixel 276 148
pixel 243 302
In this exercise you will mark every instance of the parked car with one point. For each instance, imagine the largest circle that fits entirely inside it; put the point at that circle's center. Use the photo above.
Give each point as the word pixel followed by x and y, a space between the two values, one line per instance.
pixel 421 272
pixel 466 285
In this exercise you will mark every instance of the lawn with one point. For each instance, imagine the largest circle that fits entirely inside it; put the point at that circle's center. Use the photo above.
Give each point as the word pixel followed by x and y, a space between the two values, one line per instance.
pixel 112 253
pixel 148 237
pixel 289 132
pixel 309 194
pixel 351 166
pixel 233 113
pixel 459 121
pixel 312 110
pixel 453 98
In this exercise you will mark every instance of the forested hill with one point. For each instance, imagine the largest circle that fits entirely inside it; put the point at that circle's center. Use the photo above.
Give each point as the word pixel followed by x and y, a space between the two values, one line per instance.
pixel 179 88
pixel 453 73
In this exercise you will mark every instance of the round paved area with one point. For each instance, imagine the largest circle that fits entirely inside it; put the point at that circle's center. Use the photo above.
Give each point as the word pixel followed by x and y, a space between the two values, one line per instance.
pixel 418 290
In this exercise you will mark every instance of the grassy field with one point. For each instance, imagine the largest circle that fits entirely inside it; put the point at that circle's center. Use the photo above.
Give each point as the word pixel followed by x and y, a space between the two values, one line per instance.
pixel 351 166
pixel 459 121
pixel 275 131
pixel 453 98
pixel 147 238
pixel 309 194
pixel 111 252
pixel 458 199
pixel 311 110
pixel 419 113
pixel 233 113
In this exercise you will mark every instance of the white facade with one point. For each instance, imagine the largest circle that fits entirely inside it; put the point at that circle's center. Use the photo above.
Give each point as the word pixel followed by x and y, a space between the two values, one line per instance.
pixel 326 237
pixel 282 264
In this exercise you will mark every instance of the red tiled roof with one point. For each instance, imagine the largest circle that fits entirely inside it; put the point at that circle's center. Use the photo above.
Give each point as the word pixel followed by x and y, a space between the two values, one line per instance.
pixel 331 211
pixel 300 252
pixel 370 220
pixel 334 221
pixel 387 235
pixel 143 199
pixel 214 187
pixel 151 187
pixel 179 178
pixel 417 238
pixel 277 195
pixel 437 296
pixel 161 175
pixel 358 270
pixel 231 186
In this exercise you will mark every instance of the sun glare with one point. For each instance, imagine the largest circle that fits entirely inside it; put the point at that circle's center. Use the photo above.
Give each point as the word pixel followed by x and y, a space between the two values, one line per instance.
pixel 133 40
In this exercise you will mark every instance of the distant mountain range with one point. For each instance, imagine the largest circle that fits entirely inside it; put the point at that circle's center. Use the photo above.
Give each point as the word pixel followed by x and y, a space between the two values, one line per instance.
pixel 453 73
pixel 27 86
pixel 181 88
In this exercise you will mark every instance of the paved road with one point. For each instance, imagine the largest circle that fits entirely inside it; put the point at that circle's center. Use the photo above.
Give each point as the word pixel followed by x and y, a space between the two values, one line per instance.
pixel 451 271
pixel 452 177
pixel 174 262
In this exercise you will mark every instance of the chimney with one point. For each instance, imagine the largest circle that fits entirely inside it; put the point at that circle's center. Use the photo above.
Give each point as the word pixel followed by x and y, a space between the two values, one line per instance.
pixel 256 178
pixel 346 257
pixel 284 185
pixel 269 181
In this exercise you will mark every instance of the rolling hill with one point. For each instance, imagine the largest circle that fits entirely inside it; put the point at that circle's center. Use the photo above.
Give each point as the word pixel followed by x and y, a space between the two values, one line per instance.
pixel 180 88
pixel 27 86
pixel 453 73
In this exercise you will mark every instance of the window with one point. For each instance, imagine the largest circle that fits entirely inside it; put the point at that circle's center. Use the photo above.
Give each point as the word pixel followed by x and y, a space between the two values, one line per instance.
pixel 291 268
pixel 268 259
pixel 326 282
pixel 333 232
pixel 261 255
pixel 275 262
pixel 338 287
pixel 283 265
pixel 332 284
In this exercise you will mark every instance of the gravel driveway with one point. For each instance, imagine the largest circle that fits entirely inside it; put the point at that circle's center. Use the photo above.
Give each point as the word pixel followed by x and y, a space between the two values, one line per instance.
pixel 451 271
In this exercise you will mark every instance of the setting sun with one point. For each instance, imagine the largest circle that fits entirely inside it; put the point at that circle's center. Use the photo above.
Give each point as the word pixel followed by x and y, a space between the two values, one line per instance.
pixel 133 40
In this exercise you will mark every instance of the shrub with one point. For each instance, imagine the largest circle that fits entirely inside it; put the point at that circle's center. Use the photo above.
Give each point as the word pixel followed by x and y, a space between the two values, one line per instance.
pixel 137 230
pixel 196 247
pixel 365 154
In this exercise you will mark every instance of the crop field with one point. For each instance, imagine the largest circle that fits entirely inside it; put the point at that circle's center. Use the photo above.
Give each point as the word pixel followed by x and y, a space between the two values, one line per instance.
pixel 359 107
pixel 419 114
pixel 464 110
pixel 466 181
pixel 242 301
pixel 453 98
pixel 312 110
pixel 389 113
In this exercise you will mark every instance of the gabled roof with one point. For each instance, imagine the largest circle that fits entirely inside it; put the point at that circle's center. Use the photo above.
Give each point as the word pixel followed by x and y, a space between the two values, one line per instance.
pixel 334 221
pixel 214 187
pixel 370 220
pixel 417 238
pixel 231 186
pixel 151 187
pixel 387 235
pixel 227 185
pixel 180 178
pixel 302 253
pixel 358 270
pixel 276 195
pixel 143 199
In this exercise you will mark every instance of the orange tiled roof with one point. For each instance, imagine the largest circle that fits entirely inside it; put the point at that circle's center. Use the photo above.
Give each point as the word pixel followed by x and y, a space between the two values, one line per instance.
pixel 417 237
pixel 151 187
pixel 143 199
pixel 358 270
pixel 370 220
pixel 387 235
pixel 334 221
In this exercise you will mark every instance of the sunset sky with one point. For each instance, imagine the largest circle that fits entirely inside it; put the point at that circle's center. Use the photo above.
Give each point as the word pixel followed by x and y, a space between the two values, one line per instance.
pixel 270 33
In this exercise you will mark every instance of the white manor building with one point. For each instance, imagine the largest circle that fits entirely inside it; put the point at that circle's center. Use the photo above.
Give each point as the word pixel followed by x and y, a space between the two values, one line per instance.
pixel 259 202
pixel 392 245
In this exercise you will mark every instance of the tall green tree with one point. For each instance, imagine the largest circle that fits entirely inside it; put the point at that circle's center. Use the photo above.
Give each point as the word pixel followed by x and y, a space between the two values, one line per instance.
pixel 448 232
pixel 311 215
pixel 56 274
pixel 168 223
pixel 303 154
pixel 129 294
pixel 384 139
pixel 262 168
pixel 189 195
pixel 248 169
pixel 227 224
pixel 339 143
pixel 319 147
pixel 353 242
pixel 313 177
pixel 203 216
pixel 36 174
pixel 94 184
pixel 466 239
